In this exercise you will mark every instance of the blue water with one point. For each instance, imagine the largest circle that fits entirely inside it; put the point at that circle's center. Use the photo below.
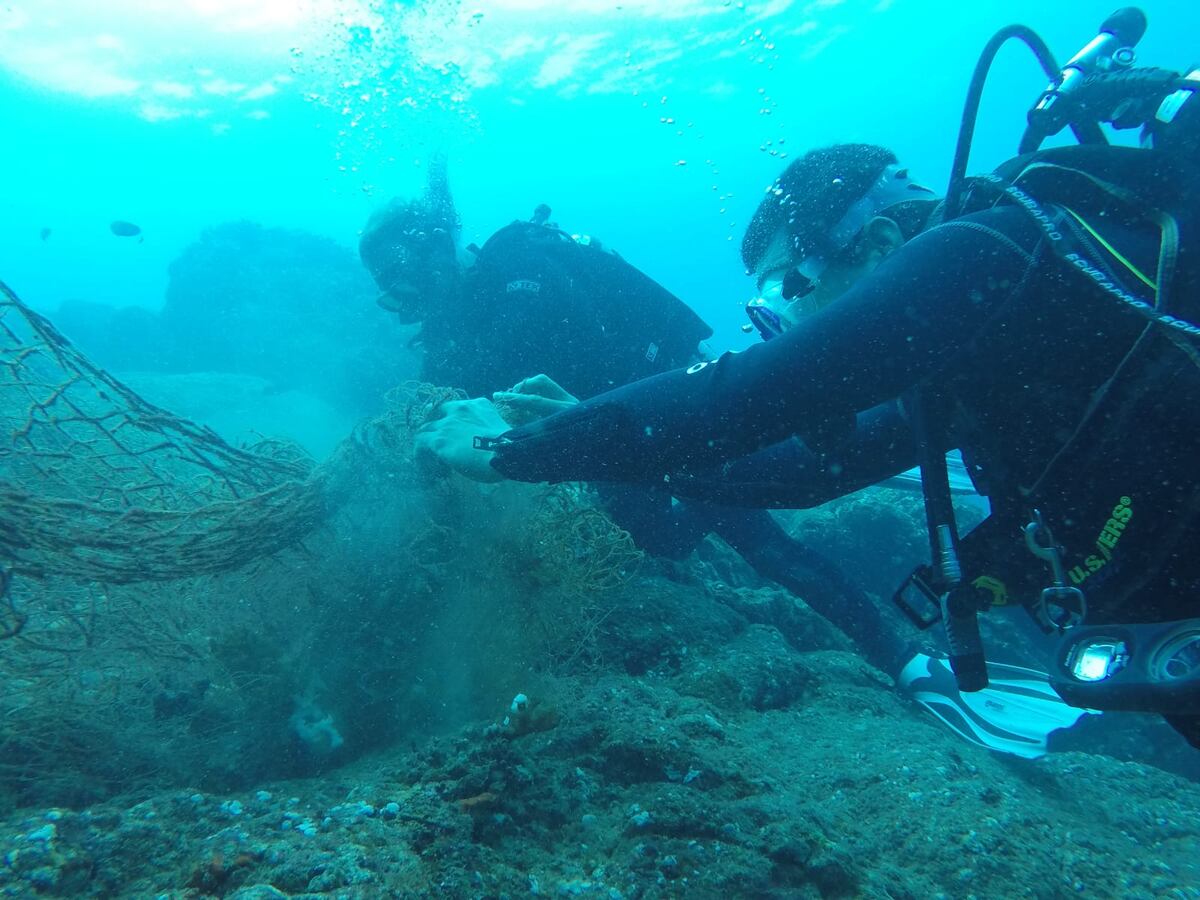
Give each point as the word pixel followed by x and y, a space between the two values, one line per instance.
pixel 653 125
pixel 695 745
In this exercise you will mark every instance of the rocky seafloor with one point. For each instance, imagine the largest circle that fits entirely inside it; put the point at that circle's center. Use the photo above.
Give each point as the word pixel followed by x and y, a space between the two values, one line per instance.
pixel 722 757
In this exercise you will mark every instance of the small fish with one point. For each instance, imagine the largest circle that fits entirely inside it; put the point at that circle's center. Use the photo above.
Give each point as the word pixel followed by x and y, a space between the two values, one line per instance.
pixel 124 229
pixel 44 233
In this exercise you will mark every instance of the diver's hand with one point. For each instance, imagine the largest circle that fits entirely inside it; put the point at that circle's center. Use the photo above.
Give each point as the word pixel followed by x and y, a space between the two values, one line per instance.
pixel 534 398
pixel 449 438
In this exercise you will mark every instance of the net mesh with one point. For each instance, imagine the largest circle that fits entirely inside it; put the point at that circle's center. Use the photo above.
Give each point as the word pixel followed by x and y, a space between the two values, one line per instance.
pixel 170 604
pixel 98 483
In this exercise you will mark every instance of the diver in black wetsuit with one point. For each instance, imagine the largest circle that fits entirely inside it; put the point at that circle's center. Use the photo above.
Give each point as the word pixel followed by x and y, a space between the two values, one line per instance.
pixel 532 296
pixel 1070 400
pixel 535 299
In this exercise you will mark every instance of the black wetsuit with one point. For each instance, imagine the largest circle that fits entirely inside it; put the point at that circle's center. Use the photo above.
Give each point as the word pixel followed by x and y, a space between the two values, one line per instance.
pixel 536 302
pixel 1018 347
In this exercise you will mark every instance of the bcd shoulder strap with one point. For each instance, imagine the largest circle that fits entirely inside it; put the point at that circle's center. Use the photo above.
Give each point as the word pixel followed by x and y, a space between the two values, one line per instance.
pixel 1061 195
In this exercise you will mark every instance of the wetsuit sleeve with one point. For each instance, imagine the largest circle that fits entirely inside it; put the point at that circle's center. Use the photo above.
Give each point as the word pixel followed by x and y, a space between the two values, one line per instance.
pixel 789 475
pixel 897 327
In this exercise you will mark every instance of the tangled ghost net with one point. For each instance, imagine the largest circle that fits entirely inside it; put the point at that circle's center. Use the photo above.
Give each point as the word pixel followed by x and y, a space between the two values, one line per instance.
pixel 99 484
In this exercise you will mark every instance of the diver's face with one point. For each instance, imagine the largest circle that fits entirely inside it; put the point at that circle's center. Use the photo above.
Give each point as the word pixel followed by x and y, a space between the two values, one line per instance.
pixel 415 287
pixel 794 290
pixel 838 277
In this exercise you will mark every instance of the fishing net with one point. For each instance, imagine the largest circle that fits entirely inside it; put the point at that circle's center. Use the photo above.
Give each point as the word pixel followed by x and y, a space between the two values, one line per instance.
pixel 98 483
pixel 171 605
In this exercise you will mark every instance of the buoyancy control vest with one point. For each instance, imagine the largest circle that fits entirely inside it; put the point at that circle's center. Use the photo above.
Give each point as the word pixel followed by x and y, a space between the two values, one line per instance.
pixel 541 301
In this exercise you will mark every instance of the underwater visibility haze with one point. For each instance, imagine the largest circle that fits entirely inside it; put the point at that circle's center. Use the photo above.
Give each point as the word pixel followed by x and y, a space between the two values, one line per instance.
pixel 252 644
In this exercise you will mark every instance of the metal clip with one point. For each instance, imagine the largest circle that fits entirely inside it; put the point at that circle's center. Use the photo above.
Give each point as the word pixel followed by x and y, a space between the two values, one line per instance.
pixel 479 442
pixel 1061 606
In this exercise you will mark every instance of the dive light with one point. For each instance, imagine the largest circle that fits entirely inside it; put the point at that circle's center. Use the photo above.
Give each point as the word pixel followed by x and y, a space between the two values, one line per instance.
pixel 1147 668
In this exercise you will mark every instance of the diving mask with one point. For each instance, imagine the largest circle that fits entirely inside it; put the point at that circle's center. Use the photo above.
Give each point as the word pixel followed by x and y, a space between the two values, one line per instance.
pixel 782 294
pixel 785 298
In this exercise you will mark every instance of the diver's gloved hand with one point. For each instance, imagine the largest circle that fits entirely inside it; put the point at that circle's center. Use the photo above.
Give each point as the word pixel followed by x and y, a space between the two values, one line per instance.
pixel 449 438
pixel 533 399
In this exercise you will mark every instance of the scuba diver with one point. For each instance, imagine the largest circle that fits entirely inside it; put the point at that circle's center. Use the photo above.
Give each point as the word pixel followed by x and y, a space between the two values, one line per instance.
pixel 533 296
pixel 537 299
pixel 1042 322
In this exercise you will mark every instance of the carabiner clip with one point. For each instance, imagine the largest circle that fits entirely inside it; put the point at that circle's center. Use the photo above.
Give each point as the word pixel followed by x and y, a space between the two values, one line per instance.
pixel 1047 551
pixel 1060 606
